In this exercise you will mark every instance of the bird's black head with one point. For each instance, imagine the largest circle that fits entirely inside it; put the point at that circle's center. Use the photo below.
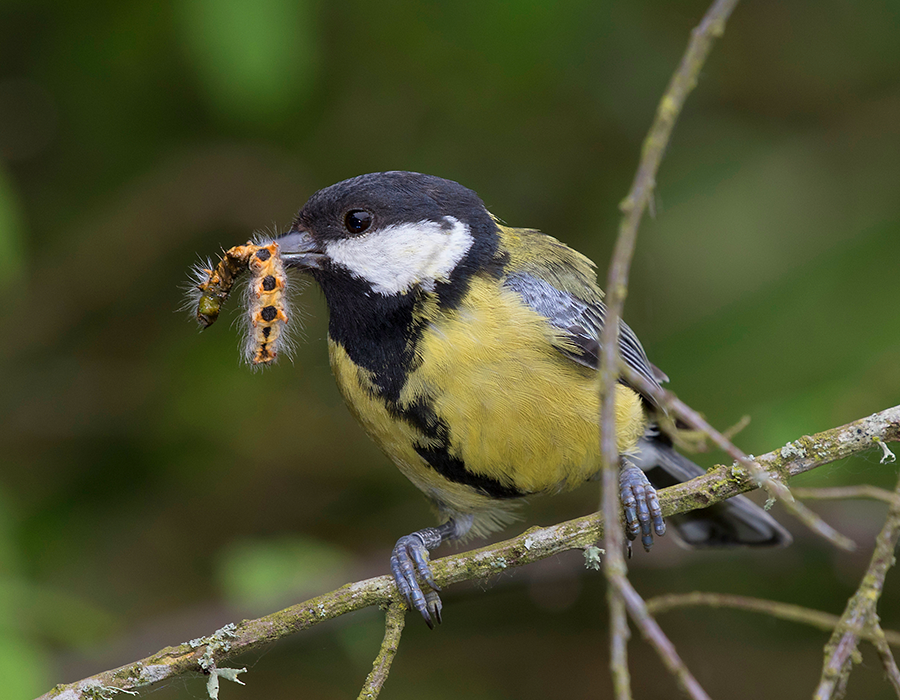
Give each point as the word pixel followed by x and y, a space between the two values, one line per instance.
pixel 392 232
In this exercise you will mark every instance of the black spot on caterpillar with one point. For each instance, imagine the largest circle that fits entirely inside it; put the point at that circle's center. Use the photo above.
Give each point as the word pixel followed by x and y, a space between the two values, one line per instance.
pixel 266 306
pixel 266 297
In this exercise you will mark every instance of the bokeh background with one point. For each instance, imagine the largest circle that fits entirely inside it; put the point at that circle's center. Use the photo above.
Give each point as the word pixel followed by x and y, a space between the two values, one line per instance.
pixel 153 489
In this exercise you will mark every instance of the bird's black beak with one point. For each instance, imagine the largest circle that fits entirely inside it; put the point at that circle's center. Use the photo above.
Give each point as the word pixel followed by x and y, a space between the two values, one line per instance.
pixel 299 249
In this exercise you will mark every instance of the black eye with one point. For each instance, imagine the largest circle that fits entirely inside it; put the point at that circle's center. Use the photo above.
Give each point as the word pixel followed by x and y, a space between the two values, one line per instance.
pixel 357 220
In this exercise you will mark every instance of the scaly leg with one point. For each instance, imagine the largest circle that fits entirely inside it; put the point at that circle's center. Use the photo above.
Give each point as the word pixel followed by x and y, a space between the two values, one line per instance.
pixel 643 514
pixel 409 563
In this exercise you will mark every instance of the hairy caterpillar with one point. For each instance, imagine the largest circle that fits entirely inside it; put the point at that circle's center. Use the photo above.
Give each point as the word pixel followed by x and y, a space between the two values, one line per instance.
pixel 266 298
pixel 265 305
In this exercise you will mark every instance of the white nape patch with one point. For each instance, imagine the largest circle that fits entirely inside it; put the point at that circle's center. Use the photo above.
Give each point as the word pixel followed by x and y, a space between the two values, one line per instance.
pixel 397 258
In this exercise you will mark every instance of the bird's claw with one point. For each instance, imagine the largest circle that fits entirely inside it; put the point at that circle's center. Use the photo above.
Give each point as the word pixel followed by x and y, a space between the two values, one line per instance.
pixel 409 563
pixel 434 607
pixel 643 514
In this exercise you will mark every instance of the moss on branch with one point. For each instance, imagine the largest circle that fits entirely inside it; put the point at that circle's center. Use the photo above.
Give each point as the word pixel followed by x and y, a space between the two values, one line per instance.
pixel 536 543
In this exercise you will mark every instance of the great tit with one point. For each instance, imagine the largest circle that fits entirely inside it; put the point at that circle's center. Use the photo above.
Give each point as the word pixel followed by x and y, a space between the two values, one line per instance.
pixel 468 351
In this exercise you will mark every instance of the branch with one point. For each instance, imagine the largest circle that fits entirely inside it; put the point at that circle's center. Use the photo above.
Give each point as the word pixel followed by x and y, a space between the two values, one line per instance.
pixel 784 611
pixel 843 492
pixel 887 658
pixel 719 484
pixel 394 620
pixel 860 610
pixel 776 488
pixel 873 632
pixel 680 86
pixel 618 640
pixel 657 638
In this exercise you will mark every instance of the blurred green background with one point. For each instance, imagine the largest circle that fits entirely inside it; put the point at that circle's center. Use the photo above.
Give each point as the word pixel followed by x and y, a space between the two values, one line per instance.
pixel 152 489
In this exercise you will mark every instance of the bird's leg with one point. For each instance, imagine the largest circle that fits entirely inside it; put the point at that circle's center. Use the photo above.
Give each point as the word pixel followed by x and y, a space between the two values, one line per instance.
pixel 409 563
pixel 643 514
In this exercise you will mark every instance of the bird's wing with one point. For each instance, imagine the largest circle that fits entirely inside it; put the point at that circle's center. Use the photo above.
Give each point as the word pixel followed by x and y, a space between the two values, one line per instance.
pixel 581 322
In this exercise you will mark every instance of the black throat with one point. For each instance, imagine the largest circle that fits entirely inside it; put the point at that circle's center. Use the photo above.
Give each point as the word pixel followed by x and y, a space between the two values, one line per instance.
pixel 381 332
pixel 378 332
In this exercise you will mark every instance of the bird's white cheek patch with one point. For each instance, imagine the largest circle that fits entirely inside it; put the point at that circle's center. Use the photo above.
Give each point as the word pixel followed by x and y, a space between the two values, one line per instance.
pixel 396 258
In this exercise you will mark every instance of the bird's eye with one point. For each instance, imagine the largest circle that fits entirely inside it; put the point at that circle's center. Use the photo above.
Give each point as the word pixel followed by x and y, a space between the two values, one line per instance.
pixel 357 220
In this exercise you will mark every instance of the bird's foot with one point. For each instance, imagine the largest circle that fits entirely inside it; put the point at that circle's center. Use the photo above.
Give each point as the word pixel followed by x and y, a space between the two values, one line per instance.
pixel 643 515
pixel 409 563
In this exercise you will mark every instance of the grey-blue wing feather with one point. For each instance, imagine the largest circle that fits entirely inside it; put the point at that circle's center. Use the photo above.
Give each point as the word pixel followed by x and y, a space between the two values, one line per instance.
pixel 737 522
pixel 582 323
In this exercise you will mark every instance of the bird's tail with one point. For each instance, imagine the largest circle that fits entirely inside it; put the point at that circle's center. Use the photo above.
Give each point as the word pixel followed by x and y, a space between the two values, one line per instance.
pixel 737 522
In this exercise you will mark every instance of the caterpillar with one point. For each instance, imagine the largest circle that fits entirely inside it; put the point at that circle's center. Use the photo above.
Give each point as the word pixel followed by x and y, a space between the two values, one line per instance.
pixel 265 305
pixel 266 298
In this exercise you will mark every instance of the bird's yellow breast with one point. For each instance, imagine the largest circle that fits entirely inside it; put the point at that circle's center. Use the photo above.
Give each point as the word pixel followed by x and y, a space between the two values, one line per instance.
pixel 516 409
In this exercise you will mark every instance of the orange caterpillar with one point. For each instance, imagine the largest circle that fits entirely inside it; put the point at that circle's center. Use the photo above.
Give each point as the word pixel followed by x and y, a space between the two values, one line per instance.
pixel 265 299
pixel 265 305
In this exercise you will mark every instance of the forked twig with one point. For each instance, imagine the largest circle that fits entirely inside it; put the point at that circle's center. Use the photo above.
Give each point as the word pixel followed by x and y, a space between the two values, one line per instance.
pixel 860 611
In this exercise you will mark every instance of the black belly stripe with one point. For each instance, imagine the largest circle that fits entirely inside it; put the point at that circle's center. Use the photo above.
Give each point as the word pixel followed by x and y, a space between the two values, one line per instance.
pixel 454 469
pixel 381 333
pixel 421 415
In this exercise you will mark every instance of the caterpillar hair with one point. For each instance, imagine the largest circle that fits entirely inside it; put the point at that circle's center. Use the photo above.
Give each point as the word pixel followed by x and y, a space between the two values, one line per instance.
pixel 266 301
pixel 216 282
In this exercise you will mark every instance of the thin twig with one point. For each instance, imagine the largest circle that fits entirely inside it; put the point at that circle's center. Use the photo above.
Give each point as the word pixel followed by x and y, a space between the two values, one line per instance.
pixel 846 492
pixel 887 658
pixel 784 611
pixel 860 610
pixel 619 634
pixel 654 635
pixel 729 433
pixel 774 487
pixel 534 544
pixel 682 83
pixel 394 619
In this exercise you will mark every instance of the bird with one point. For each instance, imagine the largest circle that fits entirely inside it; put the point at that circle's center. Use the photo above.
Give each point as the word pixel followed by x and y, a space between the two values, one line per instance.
pixel 468 351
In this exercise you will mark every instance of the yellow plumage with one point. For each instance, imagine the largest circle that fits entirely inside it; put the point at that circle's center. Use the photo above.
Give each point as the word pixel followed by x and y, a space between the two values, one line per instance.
pixel 468 350
pixel 518 411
